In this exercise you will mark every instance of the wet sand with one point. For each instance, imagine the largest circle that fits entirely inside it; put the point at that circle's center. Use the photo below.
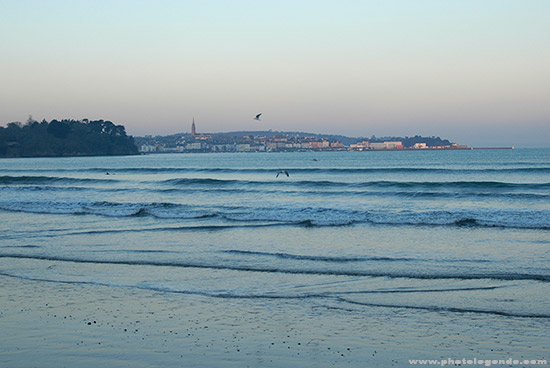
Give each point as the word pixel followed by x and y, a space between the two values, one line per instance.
pixel 47 324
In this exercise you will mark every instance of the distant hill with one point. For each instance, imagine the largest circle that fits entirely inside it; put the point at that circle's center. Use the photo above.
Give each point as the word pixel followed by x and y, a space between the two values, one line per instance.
pixel 411 141
pixel 270 134
pixel 65 138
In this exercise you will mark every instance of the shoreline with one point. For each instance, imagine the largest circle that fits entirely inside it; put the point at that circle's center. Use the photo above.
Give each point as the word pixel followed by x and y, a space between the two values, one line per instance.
pixel 48 324
pixel 335 150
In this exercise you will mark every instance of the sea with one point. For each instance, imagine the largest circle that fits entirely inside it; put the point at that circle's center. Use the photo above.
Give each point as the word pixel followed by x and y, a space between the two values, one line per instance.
pixel 459 233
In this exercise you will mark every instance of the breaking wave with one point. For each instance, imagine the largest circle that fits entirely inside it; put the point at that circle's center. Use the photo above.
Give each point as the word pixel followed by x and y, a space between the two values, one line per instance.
pixel 299 216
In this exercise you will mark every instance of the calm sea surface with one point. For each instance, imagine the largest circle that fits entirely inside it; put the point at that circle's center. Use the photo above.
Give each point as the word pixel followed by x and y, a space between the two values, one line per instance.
pixel 458 232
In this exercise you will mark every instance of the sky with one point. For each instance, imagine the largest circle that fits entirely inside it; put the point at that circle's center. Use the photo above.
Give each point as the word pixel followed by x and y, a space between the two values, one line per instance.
pixel 474 72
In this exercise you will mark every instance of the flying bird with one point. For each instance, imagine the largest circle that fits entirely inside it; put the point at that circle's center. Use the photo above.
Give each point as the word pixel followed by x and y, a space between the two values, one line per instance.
pixel 282 172
pixel 258 117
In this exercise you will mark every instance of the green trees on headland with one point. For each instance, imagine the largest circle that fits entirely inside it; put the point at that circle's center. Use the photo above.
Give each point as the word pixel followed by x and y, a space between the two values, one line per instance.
pixel 65 138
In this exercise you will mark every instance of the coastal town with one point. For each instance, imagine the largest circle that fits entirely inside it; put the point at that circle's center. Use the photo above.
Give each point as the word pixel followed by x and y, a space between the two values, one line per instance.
pixel 269 141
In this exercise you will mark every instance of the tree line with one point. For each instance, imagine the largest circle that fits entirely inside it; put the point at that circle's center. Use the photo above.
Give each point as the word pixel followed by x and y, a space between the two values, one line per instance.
pixel 65 138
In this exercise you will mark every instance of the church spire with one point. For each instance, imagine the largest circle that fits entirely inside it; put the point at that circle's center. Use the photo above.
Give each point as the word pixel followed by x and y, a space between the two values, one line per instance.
pixel 193 129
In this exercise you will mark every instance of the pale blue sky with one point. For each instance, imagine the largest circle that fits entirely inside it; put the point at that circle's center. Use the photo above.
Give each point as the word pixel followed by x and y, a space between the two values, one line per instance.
pixel 476 72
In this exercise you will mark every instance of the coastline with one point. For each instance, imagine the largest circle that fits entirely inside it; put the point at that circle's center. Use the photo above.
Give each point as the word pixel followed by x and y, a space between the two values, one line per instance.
pixel 91 325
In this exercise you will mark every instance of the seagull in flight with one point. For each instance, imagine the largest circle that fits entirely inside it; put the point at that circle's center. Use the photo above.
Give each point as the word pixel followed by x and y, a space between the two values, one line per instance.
pixel 282 172
pixel 258 117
